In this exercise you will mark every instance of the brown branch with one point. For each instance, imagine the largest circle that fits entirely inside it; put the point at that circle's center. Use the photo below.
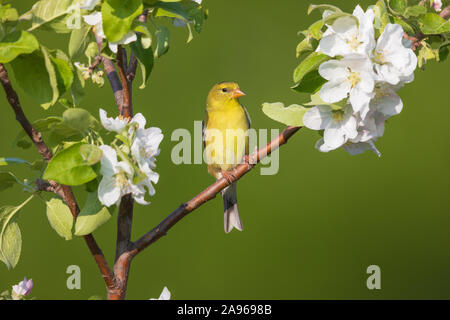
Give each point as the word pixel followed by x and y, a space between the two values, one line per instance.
pixel 64 191
pixel 123 263
pixel 124 223
pixel 126 110
pixel 445 13
pixel 96 63
pixel 210 192
pixel 111 73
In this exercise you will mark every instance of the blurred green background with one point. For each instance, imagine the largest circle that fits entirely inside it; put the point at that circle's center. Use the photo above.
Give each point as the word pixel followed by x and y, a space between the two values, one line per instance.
pixel 311 230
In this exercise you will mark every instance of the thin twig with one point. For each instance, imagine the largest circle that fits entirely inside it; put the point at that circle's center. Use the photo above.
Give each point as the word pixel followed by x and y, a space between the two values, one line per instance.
pixel 64 191
pixel 96 63
pixel 111 74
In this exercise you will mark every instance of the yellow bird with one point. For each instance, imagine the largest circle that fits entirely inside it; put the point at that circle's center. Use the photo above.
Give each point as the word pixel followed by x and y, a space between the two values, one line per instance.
pixel 225 138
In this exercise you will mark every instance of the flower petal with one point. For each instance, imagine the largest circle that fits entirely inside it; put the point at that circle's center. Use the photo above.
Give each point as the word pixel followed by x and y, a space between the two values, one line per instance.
pixel 318 118
pixel 335 91
pixel 108 193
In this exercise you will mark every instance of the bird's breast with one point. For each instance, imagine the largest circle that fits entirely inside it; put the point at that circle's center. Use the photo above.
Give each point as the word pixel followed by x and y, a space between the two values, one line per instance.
pixel 226 137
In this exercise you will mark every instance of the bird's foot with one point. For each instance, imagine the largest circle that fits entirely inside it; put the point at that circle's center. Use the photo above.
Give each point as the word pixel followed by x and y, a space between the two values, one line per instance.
pixel 229 176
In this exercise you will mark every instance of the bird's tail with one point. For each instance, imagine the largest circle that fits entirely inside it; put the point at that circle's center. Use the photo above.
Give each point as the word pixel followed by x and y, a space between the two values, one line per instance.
pixel 231 213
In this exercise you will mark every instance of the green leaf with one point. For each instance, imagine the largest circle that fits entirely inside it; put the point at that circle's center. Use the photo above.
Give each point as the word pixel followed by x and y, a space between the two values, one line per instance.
pixel 64 74
pixel 118 16
pixel 91 50
pixel 15 44
pixel 60 218
pixel 91 154
pixel 68 167
pixel 8 14
pixel 10 238
pixel 145 58
pixel 315 30
pixel 162 41
pixel 77 88
pixel 92 216
pixel 49 13
pixel 36 74
pixel 79 39
pixel 53 78
pixel 415 11
pixel 310 63
pixel 303 46
pixel 398 6
pixel 310 83
pixel 432 23
pixel 11 245
pixel 290 116
pixel 6 161
pixel 381 16
pixel 79 119
pixel 427 53
pixel 406 26
pixel 7 180
pixel 323 7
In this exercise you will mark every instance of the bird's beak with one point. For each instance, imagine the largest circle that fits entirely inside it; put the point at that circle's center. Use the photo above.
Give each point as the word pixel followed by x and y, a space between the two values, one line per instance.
pixel 238 93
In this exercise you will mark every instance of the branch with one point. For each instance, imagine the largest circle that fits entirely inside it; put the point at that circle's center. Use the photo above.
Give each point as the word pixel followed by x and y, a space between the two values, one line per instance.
pixel 110 73
pixel 64 191
pixel 124 223
pixel 126 109
pixel 210 192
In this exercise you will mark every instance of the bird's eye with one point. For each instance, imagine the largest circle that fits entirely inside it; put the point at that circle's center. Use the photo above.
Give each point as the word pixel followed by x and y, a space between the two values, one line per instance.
pixel 224 89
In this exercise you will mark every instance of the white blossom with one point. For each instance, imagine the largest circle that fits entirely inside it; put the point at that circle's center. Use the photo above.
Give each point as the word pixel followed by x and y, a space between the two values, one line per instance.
pixel 95 19
pixel 394 63
pixel 145 149
pixel 386 99
pixel 361 147
pixel 116 124
pixel 22 289
pixel 338 125
pixel 351 77
pixel 165 295
pixel 117 179
pixel 344 36
pixel 88 4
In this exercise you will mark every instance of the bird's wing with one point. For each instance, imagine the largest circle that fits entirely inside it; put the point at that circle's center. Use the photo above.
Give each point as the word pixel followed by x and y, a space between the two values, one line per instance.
pixel 249 122
pixel 204 123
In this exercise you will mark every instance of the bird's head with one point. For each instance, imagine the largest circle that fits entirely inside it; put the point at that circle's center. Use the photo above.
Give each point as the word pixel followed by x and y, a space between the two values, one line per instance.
pixel 223 93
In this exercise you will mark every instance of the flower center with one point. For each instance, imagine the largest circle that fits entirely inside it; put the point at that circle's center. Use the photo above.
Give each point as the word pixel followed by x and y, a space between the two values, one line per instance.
pixel 338 115
pixel 379 57
pixel 123 183
pixel 354 78
pixel 146 152
pixel 354 43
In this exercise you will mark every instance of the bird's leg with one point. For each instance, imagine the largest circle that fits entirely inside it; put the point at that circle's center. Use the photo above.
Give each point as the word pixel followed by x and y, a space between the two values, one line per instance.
pixel 228 175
